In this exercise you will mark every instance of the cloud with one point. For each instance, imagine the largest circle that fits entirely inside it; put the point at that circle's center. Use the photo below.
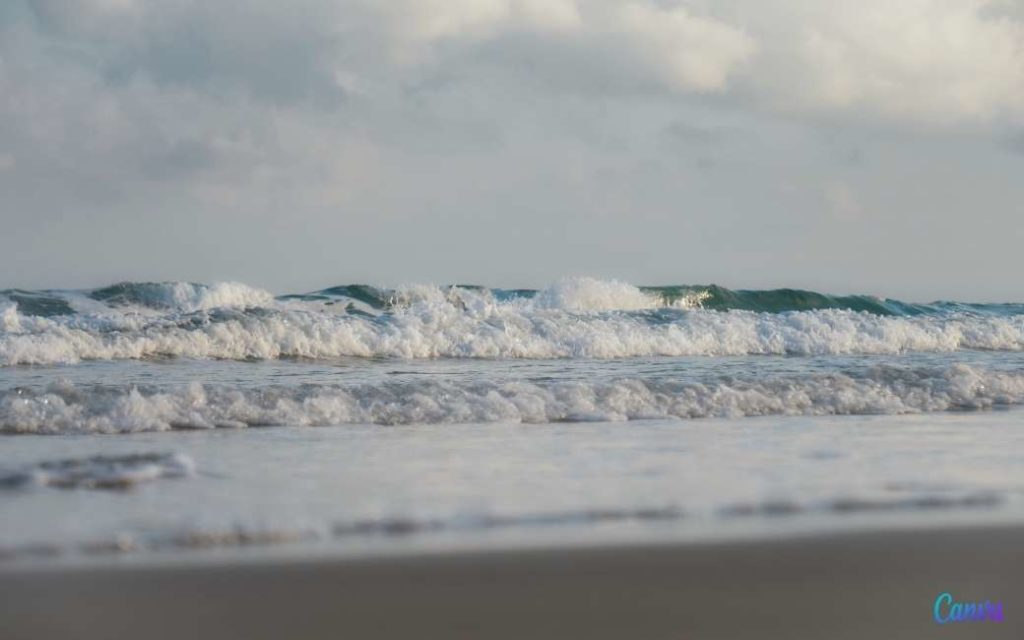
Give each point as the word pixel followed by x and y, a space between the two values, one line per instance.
pixel 925 62
pixel 940 61
pixel 267 52
pixel 678 49
pixel 426 21
pixel 694 53
pixel 245 124
pixel 111 98
pixel 919 61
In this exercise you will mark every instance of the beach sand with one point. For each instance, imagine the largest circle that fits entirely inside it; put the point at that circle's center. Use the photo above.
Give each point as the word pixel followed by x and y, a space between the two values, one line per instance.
pixel 865 585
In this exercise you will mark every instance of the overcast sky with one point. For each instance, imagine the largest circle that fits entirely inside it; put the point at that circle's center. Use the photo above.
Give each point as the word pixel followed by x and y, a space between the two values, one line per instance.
pixel 873 146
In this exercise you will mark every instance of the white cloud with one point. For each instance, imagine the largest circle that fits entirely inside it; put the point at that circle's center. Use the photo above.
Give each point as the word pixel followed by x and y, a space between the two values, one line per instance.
pixel 916 61
pixel 551 14
pixel 227 102
pixel 413 27
pixel 424 21
pixel 919 61
pixel 680 50
pixel 694 53
pixel 932 62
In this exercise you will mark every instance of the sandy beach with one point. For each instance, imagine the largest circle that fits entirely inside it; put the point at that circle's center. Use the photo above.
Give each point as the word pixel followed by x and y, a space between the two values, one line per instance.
pixel 841 586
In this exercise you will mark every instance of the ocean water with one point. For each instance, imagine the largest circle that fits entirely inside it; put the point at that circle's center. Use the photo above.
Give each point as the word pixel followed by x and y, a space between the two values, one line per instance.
pixel 149 421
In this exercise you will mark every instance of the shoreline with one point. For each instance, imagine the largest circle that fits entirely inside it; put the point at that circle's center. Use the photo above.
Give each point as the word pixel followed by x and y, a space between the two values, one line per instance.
pixel 843 585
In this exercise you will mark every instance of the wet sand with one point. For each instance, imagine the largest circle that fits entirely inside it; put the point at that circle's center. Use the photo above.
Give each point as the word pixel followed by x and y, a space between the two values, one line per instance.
pixel 868 585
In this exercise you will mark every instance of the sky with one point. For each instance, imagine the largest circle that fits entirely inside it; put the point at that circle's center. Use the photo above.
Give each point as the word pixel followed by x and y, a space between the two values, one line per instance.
pixel 871 147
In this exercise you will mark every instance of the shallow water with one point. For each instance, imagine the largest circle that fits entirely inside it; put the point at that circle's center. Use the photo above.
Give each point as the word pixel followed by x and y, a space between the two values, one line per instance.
pixel 352 488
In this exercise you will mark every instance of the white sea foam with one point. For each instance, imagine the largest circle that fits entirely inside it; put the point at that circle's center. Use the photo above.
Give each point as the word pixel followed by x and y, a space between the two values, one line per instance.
pixel 577 294
pixel 430 330
pixel 576 318
pixel 221 294
pixel 10 320
pixel 590 294
pixel 64 408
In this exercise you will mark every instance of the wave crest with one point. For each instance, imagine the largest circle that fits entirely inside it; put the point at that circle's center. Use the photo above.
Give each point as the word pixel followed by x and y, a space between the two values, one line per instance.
pixel 590 294
pixel 575 318
pixel 182 296
pixel 493 331
pixel 65 408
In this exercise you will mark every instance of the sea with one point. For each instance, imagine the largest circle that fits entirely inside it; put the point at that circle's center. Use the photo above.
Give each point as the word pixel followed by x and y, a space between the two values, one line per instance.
pixel 182 422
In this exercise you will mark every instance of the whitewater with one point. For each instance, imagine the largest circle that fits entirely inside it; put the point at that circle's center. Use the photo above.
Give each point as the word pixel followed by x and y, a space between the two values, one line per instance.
pixel 576 318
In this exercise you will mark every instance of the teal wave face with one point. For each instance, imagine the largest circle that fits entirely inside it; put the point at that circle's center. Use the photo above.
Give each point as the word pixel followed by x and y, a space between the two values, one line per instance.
pixel 42 304
pixel 364 299
pixel 145 294
pixel 780 300
pixel 711 297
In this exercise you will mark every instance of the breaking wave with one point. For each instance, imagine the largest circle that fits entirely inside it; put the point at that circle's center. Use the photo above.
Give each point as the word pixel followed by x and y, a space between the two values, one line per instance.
pixel 575 318
pixel 181 296
pixel 66 408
